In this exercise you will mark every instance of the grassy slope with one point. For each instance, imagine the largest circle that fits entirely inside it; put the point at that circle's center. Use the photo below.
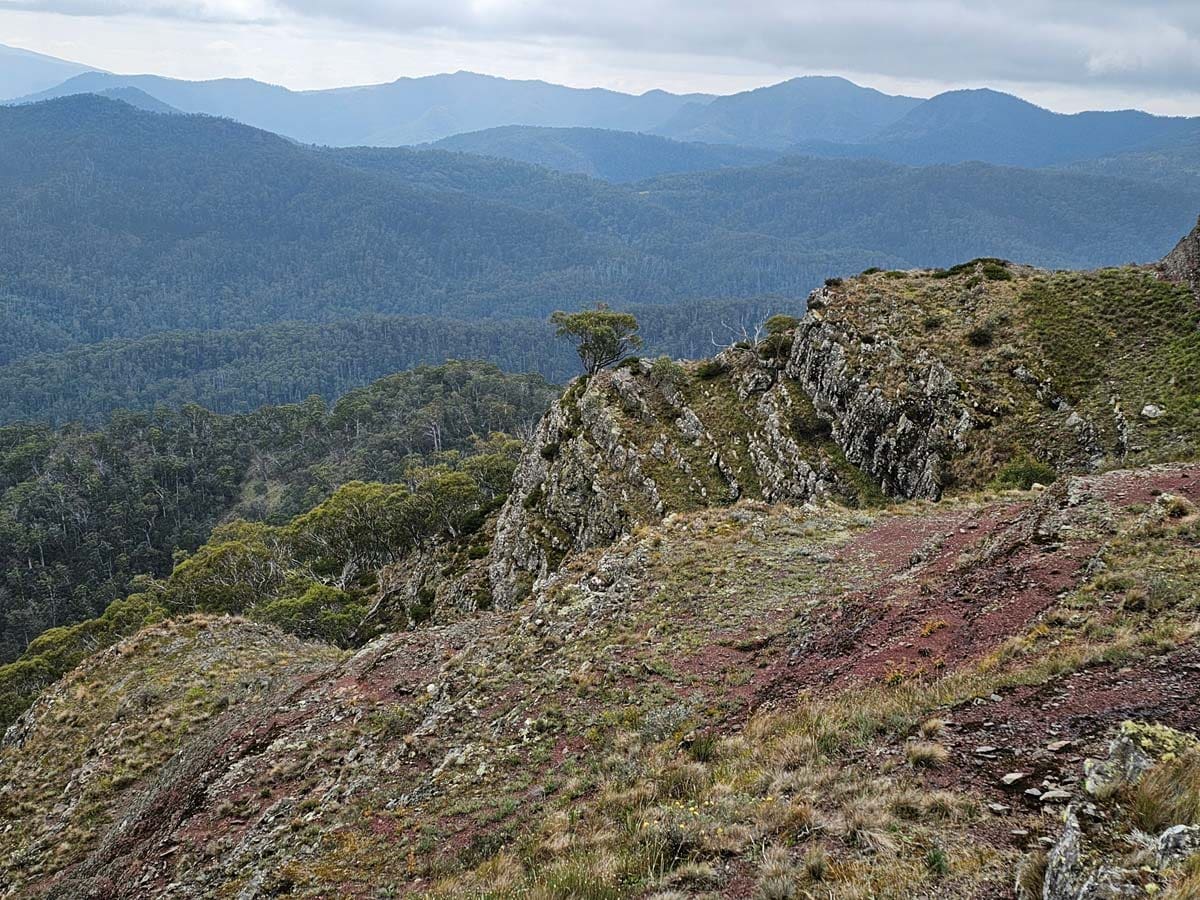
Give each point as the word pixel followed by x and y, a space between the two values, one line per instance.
pixel 660 717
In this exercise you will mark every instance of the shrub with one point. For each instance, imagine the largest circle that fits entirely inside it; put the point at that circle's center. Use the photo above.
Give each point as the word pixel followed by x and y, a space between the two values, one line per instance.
pixel 996 271
pixel 321 613
pixel 666 372
pixel 776 346
pixel 980 336
pixel 1024 471
pixel 710 369
pixel 780 323
pixel 833 282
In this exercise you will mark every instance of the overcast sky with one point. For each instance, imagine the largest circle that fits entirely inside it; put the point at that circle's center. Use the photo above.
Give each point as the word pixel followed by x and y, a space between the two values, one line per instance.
pixel 1064 54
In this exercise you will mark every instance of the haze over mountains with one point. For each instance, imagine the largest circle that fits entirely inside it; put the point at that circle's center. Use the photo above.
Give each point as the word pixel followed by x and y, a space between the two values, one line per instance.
pixel 811 115
pixel 25 72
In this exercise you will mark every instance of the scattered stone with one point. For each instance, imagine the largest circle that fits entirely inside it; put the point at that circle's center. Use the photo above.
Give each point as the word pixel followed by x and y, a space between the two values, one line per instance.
pixel 999 808
pixel 1055 797
pixel 1150 411
pixel 1058 746
pixel 1177 844
pixel 1012 778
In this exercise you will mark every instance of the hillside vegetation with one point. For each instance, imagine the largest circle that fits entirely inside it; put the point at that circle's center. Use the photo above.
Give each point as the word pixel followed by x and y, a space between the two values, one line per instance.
pixel 83 512
pixel 618 156
pixel 199 225
pixel 704 631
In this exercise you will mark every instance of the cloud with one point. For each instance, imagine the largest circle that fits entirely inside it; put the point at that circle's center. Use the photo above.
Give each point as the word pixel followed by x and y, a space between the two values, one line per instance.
pixel 1151 45
pixel 229 11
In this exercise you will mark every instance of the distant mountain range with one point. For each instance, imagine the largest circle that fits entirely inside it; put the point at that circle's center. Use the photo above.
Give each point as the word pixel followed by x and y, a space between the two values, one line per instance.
pixel 999 128
pixel 812 116
pixel 407 111
pixel 783 115
pixel 25 72
pixel 119 223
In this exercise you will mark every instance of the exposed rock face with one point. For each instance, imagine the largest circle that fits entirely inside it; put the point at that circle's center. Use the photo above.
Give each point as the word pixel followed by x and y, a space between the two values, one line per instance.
pixel 631 445
pixel 900 436
pixel 1183 263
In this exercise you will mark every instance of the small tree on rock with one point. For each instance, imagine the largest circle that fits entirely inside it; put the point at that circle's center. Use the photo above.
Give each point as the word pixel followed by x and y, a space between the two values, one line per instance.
pixel 602 336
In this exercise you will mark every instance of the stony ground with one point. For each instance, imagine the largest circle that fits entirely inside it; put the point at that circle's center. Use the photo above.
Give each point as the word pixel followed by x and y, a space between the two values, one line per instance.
pixel 826 696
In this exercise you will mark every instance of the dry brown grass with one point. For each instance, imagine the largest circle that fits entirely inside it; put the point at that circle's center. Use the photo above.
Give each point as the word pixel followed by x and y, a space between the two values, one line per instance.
pixel 926 755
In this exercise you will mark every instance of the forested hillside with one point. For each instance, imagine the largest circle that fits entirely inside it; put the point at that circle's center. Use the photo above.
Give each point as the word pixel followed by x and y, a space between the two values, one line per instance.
pixel 238 371
pixel 990 126
pixel 620 156
pixel 83 511
pixel 120 224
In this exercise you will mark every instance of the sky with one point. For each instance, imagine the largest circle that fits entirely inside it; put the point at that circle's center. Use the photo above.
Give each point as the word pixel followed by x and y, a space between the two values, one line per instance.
pixel 1063 54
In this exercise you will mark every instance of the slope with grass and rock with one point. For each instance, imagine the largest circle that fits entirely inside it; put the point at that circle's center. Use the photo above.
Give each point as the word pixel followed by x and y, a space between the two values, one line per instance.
pixel 840 612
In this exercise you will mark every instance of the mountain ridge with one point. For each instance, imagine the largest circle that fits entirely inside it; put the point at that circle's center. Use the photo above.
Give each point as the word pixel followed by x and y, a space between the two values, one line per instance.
pixel 24 72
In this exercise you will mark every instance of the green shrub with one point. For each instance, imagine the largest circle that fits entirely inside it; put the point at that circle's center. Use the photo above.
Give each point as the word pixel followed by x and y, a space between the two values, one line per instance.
pixel 710 369
pixel 776 346
pixel 780 323
pixel 1024 471
pixel 666 372
pixel 321 613
pixel 980 336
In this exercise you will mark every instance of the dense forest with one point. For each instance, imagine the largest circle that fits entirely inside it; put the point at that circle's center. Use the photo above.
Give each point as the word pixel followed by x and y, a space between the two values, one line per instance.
pixel 239 371
pixel 619 156
pixel 121 225
pixel 83 511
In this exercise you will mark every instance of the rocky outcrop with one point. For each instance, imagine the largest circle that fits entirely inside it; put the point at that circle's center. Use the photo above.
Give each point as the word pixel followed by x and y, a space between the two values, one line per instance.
pixel 900 433
pixel 1183 263
pixel 1092 859
pixel 628 446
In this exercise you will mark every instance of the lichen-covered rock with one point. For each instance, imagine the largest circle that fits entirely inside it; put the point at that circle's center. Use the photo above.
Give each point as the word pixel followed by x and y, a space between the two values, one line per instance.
pixel 1176 844
pixel 1131 754
pixel 626 447
pixel 1183 263
pixel 1107 858
pixel 1070 877
pixel 900 436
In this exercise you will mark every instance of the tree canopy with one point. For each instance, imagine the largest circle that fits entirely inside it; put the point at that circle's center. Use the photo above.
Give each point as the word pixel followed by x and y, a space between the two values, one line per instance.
pixel 602 336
